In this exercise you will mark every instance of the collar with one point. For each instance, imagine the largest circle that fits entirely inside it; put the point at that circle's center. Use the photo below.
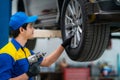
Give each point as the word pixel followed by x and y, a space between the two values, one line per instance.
pixel 16 44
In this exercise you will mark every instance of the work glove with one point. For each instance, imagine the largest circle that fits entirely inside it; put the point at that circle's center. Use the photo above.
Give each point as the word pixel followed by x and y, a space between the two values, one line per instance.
pixel 67 41
pixel 34 69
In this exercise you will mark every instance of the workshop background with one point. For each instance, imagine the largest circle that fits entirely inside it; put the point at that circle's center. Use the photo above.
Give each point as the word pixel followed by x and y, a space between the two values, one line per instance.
pixel 107 67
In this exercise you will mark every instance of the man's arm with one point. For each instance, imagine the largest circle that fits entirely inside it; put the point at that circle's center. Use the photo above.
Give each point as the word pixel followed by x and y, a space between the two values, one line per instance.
pixel 6 62
pixel 34 70
pixel 21 77
pixel 56 54
pixel 47 61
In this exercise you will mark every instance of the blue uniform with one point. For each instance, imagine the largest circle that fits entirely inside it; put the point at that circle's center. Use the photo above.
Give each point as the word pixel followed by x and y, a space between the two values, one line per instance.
pixel 13 60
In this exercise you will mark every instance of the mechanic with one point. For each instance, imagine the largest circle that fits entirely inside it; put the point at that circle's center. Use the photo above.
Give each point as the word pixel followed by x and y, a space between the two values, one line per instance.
pixel 13 56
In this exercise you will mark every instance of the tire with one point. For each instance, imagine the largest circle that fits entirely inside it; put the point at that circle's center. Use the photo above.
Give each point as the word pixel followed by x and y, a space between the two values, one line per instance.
pixel 90 40
pixel 20 6
pixel 31 44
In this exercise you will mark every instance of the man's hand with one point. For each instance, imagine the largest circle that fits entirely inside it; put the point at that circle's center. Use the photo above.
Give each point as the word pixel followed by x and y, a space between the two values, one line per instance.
pixel 34 69
pixel 67 41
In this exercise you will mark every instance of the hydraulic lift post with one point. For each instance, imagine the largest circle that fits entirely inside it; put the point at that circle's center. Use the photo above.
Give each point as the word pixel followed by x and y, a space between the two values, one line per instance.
pixel 5 12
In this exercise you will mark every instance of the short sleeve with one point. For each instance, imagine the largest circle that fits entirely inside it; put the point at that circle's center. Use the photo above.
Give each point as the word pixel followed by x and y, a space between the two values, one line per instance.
pixel 31 52
pixel 6 63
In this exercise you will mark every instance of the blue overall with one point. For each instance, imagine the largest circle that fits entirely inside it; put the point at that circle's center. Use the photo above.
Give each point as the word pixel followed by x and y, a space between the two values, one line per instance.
pixel 13 60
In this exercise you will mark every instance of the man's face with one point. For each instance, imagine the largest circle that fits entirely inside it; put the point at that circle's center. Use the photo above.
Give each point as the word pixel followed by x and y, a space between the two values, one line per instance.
pixel 29 31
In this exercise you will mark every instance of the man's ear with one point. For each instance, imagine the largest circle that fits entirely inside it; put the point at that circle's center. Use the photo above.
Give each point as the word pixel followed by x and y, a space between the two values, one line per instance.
pixel 21 29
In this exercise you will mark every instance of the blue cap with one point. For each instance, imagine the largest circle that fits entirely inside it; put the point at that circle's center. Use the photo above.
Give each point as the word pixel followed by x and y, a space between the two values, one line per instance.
pixel 20 18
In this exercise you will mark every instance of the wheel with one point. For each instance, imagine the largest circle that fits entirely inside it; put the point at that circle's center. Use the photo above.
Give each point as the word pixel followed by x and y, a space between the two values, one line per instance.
pixel 90 40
